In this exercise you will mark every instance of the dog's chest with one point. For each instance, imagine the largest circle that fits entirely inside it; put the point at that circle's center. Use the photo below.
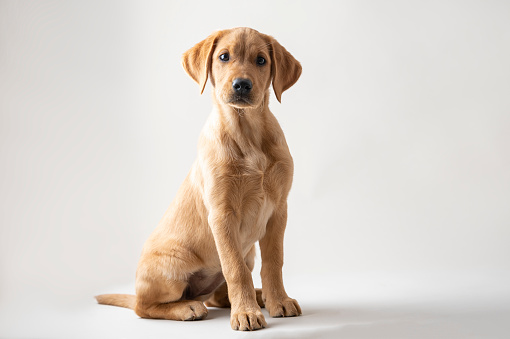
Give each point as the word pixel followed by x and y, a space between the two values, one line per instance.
pixel 254 221
pixel 258 204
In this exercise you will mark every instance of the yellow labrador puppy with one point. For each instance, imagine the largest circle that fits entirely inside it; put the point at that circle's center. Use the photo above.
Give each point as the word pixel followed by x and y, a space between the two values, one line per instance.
pixel 235 194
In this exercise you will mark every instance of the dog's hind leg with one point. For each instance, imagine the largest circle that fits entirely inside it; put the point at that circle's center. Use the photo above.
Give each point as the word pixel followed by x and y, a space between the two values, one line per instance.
pixel 219 298
pixel 160 296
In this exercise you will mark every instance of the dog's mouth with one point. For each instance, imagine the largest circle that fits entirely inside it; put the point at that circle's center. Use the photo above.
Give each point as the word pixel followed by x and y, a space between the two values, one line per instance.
pixel 239 101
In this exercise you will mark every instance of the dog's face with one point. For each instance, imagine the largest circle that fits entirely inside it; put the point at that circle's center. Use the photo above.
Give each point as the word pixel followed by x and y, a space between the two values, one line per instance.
pixel 241 68
pixel 241 63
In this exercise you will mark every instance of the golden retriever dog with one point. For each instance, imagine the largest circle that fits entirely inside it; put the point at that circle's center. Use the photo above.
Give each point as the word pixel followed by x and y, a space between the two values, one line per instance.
pixel 203 249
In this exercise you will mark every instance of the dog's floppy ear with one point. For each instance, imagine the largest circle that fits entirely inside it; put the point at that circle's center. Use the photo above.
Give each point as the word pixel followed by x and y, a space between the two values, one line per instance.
pixel 197 60
pixel 285 69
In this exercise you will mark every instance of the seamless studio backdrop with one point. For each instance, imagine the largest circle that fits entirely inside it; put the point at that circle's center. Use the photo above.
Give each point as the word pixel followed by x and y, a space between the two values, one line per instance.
pixel 399 129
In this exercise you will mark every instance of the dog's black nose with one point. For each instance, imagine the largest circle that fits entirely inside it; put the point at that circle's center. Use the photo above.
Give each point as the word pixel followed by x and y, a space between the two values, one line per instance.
pixel 242 86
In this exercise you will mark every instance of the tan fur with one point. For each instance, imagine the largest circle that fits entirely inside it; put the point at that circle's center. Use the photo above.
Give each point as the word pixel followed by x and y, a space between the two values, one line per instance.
pixel 234 195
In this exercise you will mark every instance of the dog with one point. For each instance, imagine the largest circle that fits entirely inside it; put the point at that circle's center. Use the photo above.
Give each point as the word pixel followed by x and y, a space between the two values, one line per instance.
pixel 203 249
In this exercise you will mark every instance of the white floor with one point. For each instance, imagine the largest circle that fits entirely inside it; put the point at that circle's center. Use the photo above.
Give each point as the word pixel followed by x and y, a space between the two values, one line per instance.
pixel 376 305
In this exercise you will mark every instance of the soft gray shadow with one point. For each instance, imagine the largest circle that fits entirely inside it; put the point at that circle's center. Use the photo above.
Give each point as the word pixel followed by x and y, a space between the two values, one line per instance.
pixel 392 321
pixel 218 313
pixel 375 321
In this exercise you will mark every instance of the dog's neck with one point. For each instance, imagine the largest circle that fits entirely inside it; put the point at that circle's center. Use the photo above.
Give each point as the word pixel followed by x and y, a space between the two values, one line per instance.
pixel 243 124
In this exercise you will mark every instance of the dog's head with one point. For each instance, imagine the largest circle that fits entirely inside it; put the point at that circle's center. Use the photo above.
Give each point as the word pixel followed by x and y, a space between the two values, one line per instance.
pixel 241 63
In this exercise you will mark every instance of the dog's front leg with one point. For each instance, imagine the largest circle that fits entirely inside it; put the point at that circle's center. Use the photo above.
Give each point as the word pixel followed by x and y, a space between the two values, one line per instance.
pixel 245 313
pixel 276 299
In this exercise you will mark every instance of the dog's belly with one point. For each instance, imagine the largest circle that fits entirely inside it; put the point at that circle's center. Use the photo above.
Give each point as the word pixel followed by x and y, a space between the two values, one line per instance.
pixel 202 283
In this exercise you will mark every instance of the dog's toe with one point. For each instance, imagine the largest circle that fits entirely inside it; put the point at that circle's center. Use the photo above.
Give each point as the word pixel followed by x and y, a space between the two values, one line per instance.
pixel 247 321
pixel 195 310
pixel 284 308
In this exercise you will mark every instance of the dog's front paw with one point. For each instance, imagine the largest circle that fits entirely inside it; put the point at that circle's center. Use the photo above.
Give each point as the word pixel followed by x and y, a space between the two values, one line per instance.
pixel 283 308
pixel 247 321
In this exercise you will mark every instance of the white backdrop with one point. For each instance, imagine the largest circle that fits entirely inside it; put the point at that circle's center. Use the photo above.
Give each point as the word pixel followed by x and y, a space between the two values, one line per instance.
pixel 399 128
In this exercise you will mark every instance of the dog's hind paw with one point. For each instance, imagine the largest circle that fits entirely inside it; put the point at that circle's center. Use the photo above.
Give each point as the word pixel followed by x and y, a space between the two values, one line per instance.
pixel 194 310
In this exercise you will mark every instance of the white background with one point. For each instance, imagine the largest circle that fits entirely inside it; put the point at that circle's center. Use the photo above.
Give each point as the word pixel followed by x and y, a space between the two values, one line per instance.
pixel 399 128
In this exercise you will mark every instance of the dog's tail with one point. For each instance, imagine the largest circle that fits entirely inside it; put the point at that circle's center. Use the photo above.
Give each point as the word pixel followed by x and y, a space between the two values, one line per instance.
pixel 121 300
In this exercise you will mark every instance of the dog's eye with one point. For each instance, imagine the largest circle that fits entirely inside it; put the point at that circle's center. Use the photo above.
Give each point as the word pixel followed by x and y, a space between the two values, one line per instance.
pixel 261 61
pixel 224 57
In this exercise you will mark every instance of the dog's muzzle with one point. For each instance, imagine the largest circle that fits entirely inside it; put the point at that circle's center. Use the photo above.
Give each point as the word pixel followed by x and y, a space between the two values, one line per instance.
pixel 241 90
